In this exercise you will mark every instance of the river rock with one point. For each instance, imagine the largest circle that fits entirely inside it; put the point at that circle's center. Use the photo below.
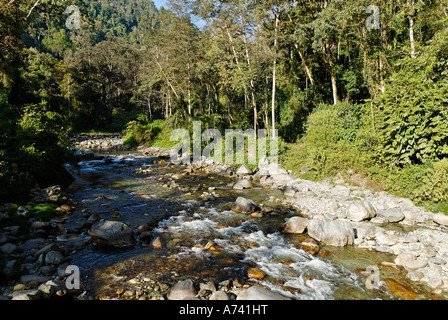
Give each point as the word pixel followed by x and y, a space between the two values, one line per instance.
pixel 258 292
pixel 244 205
pixel 112 233
pixel 8 248
pixel 295 225
pixel 441 218
pixel 255 273
pixel 33 280
pixel 392 214
pixel 310 246
pixel 54 257
pixel 243 184
pixel 360 210
pixel 243 170
pixel 331 232
pixel 415 264
pixel 182 290
pixel 30 294
pixel 289 192
pixel 219 295
pixel 282 178
pixel 276 169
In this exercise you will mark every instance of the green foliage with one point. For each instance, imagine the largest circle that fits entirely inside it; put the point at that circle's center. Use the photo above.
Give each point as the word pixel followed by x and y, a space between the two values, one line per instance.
pixel 413 122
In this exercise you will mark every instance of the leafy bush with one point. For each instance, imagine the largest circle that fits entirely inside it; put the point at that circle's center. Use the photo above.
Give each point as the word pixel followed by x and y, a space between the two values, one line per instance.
pixel 413 117
pixel 33 146
pixel 434 185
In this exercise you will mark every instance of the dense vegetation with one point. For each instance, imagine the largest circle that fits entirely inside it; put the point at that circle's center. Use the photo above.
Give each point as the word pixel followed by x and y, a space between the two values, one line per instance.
pixel 349 84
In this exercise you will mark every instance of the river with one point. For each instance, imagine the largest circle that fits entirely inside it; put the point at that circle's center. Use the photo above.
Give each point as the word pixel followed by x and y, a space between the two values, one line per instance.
pixel 202 239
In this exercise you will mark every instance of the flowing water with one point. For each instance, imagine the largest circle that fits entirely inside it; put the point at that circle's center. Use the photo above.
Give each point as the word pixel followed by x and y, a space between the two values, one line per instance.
pixel 202 238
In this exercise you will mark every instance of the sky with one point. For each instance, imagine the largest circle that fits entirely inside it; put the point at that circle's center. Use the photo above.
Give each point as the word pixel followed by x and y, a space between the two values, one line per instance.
pixel 159 3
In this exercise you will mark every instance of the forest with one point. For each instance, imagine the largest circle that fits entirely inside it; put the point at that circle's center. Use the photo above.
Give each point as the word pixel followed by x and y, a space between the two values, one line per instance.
pixel 350 85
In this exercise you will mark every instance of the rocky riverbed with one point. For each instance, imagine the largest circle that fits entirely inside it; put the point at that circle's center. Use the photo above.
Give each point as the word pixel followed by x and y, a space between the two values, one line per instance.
pixel 140 227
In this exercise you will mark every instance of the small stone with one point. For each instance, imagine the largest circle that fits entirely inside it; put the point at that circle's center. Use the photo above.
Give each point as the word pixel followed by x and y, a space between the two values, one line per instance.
pixel 157 243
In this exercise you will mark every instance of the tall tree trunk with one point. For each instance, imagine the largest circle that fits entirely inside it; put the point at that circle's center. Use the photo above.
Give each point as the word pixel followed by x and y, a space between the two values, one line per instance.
pixel 411 36
pixel 252 86
pixel 333 83
pixel 274 69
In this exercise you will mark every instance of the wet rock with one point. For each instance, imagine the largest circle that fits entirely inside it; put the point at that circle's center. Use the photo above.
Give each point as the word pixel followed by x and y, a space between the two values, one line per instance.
pixel 332 232
pixel 244 205
pixel 255 273
pixel 157 243
pixel 360 210
pixel 112 233
pixel 182 290
pixel 258 292
pixel 310 246
pixel 399 289
pixel 295 225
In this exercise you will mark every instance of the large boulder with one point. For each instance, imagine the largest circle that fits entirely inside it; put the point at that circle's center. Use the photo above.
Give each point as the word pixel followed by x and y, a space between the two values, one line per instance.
pixel 295 225
pixel 360 210
pixel 258 292
pixel 112 233
pixel 244 205
pixel 332 232
pixel 392 214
